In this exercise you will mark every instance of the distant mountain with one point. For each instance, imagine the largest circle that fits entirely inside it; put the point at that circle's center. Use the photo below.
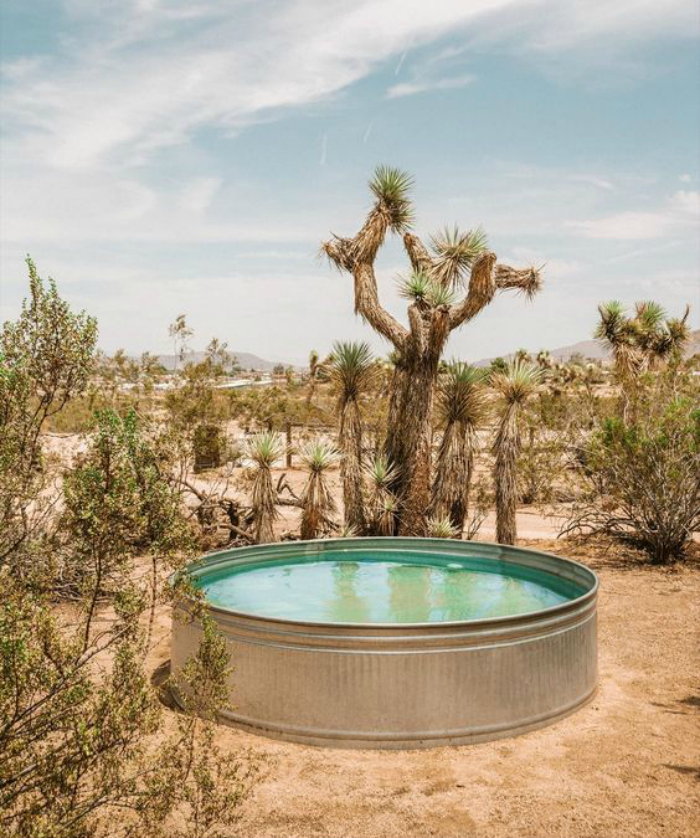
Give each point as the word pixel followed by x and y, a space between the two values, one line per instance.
pixel 595 351
pixel 246 361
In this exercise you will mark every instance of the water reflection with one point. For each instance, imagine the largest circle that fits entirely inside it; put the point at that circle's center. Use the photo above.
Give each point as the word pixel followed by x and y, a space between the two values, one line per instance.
pixel 348 605
pixel 410 589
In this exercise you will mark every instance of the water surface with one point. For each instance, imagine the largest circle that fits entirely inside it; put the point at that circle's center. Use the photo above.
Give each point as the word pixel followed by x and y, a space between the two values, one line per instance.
pixel 385 587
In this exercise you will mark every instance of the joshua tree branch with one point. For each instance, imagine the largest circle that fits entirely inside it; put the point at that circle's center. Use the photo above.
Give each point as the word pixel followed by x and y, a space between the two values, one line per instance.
pixel 419 256
pixel 368 306
pixel 527 280
pixel 482 287
pixel 356 256
pixel 417 327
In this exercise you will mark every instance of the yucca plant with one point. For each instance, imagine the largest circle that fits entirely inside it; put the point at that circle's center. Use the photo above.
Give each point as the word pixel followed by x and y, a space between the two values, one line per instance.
pixel 383 504
pixel 352 372
pixel 441 527
pixel 317 504
pixel 462 410
pixel 514 385
pixel 264 450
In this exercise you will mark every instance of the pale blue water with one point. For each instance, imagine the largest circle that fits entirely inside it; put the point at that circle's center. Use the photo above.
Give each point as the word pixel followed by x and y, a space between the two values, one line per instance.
pixel 385 588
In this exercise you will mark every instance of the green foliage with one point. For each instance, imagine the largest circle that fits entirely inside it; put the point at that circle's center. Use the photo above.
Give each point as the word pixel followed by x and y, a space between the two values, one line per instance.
pixel 352 369
pixel 455 253
pixel 46 358
pixel 84 748
pixel 441 527
pixel 517 381
pixel 461 396
pixel 118 505
pixel 420 288
pixel 392 187
pixel 642 478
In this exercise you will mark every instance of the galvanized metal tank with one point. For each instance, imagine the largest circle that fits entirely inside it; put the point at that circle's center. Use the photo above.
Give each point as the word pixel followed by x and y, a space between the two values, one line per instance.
pixel 409 685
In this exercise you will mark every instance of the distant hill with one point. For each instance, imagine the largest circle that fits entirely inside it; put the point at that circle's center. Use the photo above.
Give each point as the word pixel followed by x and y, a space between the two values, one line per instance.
pixel 246 361
pixel 595 351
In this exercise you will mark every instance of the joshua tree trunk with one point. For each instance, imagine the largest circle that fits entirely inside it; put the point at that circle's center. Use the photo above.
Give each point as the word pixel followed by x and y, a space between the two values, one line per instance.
pixel 507 446
pixel 350 440
pixel 453 474
pixel 418 347
pixel 264 508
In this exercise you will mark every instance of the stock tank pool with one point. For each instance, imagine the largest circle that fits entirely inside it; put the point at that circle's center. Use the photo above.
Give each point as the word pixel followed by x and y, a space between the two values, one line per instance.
pixel 397 642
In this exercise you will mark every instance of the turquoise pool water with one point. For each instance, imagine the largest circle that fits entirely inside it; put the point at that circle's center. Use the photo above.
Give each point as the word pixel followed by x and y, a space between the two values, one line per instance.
pixel 384 587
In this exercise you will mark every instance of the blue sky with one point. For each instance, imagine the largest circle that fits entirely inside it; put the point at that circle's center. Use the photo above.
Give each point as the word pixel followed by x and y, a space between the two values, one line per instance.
pixel 179 156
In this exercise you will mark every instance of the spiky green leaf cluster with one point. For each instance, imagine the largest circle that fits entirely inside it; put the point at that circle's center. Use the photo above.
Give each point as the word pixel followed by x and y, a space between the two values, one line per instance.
pixel 352 368
pixel 461 397
pixel 265 448
pixel 380 473
pixel 455 253
pixel 391 188
pixel 441 527
pixel 419 287
pixel 317 455
pixel 517 382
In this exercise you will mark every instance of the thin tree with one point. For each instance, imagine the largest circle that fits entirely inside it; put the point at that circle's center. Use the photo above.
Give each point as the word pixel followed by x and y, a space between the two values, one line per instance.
pixel 352 371
pixel 317 504
pixel 462 410
pixel 313 375
pixel 514 385
pixel 264 450
pixel 455 259
pixel 180 333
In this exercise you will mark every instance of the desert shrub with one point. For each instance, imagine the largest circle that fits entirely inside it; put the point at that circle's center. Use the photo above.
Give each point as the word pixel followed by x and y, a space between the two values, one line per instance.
pixel 46 358
pixel 642 479
pixel 84 746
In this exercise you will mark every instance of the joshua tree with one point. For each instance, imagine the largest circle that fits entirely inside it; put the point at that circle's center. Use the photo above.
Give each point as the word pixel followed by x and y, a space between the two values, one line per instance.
pixel 352 371
pixel 642 342
pixel 462 409
pixel 264 449
pixel 544 359
pixel 317 502
pixel 432 315
pixel 382 501
pixel 514 385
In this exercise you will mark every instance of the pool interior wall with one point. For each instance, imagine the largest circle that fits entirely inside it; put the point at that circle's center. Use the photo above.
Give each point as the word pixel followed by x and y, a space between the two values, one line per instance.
pixel 404 683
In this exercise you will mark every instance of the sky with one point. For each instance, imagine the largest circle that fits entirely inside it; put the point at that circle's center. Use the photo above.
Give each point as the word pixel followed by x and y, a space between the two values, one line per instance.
pixel 160 157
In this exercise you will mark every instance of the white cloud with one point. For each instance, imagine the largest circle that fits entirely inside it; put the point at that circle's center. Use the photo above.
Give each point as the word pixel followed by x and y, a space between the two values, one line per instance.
pixel 411 88
pixel 145 77
pixel 594 180
pixel 681 211
pixel 199 193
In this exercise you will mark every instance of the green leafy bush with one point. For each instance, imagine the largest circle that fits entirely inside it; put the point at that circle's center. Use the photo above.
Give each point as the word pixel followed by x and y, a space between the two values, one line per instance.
pixel 642 480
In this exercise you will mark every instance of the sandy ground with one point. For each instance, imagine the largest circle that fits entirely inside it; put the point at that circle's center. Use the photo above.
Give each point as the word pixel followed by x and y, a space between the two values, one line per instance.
pixel 626 765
